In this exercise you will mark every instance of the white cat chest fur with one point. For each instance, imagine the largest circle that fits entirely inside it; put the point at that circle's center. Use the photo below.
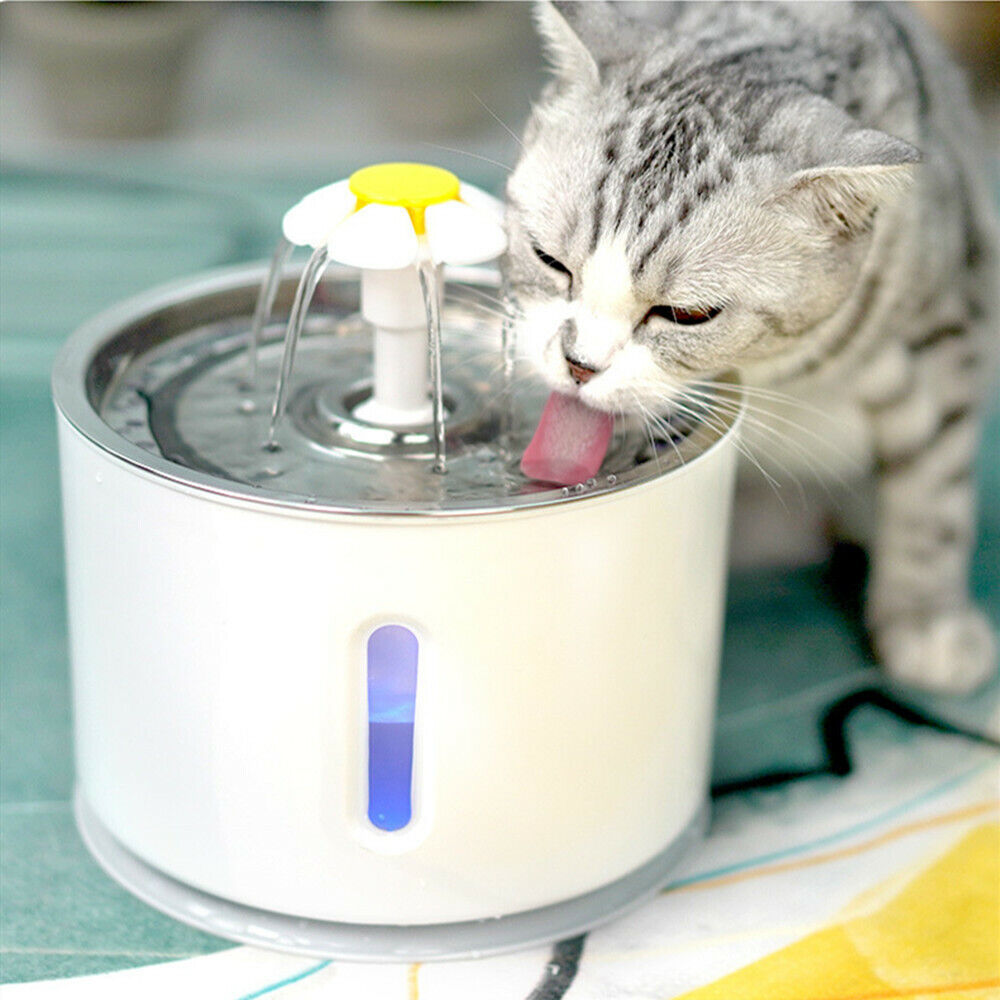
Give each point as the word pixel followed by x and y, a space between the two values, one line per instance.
pixel 566 643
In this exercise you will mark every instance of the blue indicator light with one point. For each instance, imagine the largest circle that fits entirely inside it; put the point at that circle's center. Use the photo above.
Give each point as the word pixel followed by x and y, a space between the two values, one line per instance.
pixel 392 696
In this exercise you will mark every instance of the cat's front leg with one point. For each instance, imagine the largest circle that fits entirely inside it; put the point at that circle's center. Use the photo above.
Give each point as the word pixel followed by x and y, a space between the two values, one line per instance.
pixel 924 626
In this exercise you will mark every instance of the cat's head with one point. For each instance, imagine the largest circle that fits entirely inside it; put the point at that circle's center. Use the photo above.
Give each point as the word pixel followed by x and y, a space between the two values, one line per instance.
pixel 668 223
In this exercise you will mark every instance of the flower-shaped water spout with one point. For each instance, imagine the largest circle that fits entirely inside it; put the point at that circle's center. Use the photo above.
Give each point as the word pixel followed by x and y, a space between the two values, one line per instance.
pixel 395 222
pixel 382 218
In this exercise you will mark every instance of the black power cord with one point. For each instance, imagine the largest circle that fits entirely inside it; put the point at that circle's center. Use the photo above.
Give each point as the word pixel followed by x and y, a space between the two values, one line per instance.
pixel 837 751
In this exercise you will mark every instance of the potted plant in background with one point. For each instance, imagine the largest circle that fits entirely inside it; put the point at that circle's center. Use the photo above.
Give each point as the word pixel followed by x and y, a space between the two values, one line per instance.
pixel 108 70
pixel 435 67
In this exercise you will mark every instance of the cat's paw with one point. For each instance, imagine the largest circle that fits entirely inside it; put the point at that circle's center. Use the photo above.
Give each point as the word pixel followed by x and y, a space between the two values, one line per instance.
pixel 954 651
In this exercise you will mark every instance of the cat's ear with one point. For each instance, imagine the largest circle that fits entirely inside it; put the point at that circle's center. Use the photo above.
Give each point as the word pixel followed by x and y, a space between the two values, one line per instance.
pixel 851 172
pixel 579 37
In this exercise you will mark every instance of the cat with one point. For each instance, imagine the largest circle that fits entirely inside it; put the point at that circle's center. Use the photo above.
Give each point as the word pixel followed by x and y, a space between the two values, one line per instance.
pixel 793 191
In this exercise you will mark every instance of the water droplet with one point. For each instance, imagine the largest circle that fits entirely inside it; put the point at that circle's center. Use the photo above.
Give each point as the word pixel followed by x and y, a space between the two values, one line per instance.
pixel 248 406
pixel 579 488
pixel 612 479
pixel 554 968
pixel 591 482
pixel 99 478
pixel 565 491
pixel 272 446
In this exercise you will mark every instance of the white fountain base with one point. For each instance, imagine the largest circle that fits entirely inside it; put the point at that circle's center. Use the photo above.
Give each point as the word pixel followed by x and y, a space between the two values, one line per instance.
pixel 375 942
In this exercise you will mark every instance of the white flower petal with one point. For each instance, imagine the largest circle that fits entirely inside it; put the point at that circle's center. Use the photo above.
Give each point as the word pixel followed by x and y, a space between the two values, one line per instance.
pixel 486 203
pixel 311 220
pixel 460 234
pixel 379 237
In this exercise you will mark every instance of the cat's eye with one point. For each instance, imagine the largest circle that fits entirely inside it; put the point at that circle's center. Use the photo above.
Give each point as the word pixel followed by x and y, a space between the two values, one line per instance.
pixel 683 317
pixel 549 261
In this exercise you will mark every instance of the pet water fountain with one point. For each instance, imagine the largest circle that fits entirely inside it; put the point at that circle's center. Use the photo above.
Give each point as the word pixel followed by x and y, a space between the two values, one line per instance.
pixel 346 681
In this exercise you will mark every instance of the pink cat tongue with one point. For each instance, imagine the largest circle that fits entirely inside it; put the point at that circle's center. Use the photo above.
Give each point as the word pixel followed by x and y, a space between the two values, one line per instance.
pixel 569 444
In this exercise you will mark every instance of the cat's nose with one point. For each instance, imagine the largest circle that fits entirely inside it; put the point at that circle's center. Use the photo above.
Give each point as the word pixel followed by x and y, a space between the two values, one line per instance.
pixel 579 372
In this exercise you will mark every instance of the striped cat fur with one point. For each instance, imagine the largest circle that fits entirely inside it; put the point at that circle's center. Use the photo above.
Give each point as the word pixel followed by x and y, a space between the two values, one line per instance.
pixel 795 191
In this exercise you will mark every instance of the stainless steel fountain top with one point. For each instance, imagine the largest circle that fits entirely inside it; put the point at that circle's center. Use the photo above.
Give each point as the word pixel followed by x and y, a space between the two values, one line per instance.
pixel 380 395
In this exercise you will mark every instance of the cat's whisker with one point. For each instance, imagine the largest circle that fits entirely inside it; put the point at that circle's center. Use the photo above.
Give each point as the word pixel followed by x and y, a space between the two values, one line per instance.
pixel 780 439
pixel 482 294
pixel 769 417
pixel 486 309
pixel 490 310
pixel 469 296
pixel 730 408
pixel 767 451
pixel 506 167
pixel 721 425
pixel 648 424
pixel 762 391
pixel 482 309
pixel 518 378
pixel 771 395
pixel 495 365
pixel 651 421
pixel 662 422
pixel 497 119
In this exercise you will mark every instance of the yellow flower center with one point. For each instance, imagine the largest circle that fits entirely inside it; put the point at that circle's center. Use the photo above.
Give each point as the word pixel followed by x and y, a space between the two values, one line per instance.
pixel 412 186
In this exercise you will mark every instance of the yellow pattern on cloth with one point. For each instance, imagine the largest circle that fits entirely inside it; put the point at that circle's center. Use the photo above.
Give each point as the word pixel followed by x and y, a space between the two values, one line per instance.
pixel 938 936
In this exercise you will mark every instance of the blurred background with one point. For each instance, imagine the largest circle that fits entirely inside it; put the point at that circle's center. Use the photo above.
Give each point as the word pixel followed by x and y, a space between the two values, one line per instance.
pixel 197 124
pixel 169 137
pixel 272 83
pixel 266 85
pixel 141 142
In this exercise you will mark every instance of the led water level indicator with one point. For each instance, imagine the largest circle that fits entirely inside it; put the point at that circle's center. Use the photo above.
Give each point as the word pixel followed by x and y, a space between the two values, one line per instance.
pixel 392 695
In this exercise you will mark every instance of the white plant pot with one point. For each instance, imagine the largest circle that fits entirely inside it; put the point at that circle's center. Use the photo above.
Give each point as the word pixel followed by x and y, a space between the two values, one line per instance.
pixel 434 68
pixel 109 70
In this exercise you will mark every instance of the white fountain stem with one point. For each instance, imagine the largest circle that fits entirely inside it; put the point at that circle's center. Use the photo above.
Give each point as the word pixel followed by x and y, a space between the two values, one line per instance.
pixel 393 303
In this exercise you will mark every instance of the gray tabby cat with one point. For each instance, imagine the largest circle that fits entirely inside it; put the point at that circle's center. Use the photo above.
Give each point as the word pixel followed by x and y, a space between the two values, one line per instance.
pixel 793 191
